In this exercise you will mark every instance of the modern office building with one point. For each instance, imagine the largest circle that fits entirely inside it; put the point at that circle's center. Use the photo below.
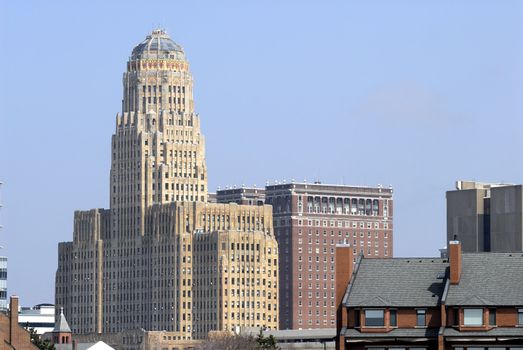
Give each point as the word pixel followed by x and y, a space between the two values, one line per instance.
pixel 3 272
pixel 486 217
pixel 163 258
pixel 40 317
pixel 309 220
pixel 3 283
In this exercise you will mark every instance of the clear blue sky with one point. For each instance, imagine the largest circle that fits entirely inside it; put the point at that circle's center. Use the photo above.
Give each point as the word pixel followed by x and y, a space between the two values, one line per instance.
pixel 412 93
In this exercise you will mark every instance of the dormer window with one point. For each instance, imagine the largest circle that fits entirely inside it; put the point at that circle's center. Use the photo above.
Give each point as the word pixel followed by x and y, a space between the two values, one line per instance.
pixel 374 318
pixel 473 317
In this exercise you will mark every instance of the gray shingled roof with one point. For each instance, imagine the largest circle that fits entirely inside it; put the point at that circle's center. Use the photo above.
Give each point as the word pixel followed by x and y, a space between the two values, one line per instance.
pixel 399 282
pixel 489 279
pixel 396 333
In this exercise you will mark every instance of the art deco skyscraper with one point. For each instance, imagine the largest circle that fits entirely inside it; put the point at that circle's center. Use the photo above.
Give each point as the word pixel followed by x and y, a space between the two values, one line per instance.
pixel 162 257
pixel 158 150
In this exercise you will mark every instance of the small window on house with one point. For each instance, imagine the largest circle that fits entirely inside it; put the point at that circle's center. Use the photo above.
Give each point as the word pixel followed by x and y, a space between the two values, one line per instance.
pixel 356 318
pixel 456 317
pixel 520 317
pixel 393 318
pixel 374 318
pixel 473 317
pixel 492 317
pixel 420 318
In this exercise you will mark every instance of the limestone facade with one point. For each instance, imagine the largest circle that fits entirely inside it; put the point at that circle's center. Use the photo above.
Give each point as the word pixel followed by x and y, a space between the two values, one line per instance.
pixel 163 258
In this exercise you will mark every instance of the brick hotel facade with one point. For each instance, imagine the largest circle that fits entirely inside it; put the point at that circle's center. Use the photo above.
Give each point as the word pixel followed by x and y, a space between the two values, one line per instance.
pixel 309 220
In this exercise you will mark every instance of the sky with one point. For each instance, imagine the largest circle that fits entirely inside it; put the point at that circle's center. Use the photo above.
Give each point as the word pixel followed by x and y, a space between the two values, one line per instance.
pixel 413 94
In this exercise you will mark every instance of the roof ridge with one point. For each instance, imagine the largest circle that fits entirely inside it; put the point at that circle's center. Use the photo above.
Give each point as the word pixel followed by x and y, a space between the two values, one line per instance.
pixel 472 296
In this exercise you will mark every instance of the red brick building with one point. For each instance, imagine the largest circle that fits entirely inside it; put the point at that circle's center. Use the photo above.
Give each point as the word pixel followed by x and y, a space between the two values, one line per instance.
pixel 471 301
pixel 12 335
pixel 309 220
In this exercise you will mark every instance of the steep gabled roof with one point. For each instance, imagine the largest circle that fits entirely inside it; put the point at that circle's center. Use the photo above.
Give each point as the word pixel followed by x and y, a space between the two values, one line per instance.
pixel 488 279
pixel 61 325
pixel 398 282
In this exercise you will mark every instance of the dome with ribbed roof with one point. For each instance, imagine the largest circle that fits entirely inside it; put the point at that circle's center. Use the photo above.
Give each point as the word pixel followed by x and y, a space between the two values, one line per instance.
pixel 158 44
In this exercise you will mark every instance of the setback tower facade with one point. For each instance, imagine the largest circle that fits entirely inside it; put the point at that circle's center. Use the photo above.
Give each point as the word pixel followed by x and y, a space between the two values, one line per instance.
pixel 163 257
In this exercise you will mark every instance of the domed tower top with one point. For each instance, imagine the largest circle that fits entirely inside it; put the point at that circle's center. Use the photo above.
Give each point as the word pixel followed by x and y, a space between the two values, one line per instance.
pixel 158 77
pixel 156 45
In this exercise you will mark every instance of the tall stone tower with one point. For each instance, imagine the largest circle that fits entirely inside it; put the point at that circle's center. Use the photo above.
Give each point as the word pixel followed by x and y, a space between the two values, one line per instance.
pixel 163 258
pixel 158 151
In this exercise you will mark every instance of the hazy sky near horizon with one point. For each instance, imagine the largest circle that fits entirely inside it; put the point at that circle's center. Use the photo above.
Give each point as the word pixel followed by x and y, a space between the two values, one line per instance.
pixel 416 94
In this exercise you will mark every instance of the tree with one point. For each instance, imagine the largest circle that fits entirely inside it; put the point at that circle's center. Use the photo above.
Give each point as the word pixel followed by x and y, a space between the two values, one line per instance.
pixel 266 343
pixel 37 341
pixel 227 341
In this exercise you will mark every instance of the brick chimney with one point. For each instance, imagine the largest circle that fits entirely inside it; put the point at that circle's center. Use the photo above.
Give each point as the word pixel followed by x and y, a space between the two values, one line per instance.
pixel 455 261
pixel 344 268
pixel 13 320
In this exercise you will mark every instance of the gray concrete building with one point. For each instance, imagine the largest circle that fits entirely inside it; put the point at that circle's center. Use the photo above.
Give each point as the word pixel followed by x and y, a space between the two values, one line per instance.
pixel 486 217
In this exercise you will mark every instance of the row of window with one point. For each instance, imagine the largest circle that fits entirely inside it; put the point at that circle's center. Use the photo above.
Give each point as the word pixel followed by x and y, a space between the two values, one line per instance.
pixel 471 317
pixel 309 322
pixel 474 317
pixel 335 223
pixel 370 243
pixel 347 234
pixel 171 88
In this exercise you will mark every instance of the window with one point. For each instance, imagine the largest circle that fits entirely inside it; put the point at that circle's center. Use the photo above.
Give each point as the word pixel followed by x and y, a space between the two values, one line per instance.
pixel 520 317
pixel 473 317
pixel 393 318
pixel 374 318
pixel 455 313
pixel 420 318
pixel 492 317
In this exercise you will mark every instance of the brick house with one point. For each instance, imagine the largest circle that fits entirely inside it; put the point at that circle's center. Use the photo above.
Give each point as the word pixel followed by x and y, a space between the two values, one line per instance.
pixel 470 301
pixel 12 335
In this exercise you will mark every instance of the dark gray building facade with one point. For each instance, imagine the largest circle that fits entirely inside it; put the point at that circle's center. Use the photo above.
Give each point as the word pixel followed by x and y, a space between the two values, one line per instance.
pixel 486 217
